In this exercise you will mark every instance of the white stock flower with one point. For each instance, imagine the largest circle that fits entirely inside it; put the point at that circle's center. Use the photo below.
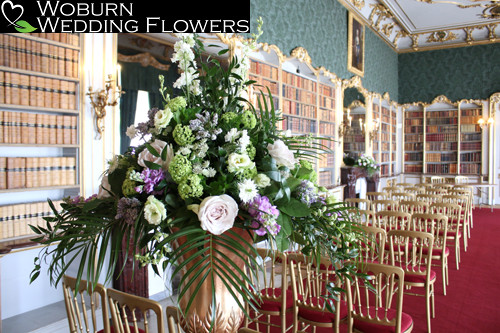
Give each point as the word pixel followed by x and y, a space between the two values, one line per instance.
pixel 131 132
pixel 282 154
pixel 244 140
pixel 232 135
pixel 247 190
pixel 217 213
pixel 154 211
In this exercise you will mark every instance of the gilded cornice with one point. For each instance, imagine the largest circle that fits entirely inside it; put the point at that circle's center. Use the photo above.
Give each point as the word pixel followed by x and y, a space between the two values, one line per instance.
pixel 145 59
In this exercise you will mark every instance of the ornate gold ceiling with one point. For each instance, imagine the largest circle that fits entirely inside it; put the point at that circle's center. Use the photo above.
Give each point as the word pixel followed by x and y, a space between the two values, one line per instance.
pixel 416 25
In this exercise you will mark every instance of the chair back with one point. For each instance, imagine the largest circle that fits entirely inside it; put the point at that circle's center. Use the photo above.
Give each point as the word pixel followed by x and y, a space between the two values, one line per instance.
pixel 78 301
pixel 376 196
pixel 390 189
pixel 461 179
pixel 377 302
pixel 372 244
pixel 414 206
pixel 392 220
pixel 436 191
pixel 173 319
pixel 129 312
pixel 380 205
pixel 445 186
pixel 398 196
pixel 362 216
pixel 429 198
pixel 452 211
pixel 364 204
pixel 437 179
pixel 411 250
pixel 404 184
pixel 435 224
pixel 415 190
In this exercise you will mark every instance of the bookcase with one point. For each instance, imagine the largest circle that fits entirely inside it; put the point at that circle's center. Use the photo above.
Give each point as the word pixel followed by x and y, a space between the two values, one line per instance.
pixel 39 128
pixel 443 138
pixel 305 96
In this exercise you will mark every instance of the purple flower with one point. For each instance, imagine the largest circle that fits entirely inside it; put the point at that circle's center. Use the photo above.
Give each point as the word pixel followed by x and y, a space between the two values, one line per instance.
pixel 264 216
pixel 151 179
pixel 128 210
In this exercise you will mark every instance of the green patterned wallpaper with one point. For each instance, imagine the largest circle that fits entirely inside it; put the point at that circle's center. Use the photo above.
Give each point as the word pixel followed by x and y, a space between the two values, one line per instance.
pixel 320 26
pixel 469 72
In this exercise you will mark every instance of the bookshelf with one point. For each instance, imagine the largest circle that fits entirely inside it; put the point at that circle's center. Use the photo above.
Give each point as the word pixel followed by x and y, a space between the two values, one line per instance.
pixel 354 140
pixel 443 138
pixel 305 96
pixel 39 127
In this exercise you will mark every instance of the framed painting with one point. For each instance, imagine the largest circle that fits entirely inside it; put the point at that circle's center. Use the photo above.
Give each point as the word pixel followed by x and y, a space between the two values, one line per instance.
pixel 356 46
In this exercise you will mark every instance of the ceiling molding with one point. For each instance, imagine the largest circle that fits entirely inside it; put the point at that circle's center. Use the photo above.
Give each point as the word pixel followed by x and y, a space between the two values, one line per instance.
pixel 421 25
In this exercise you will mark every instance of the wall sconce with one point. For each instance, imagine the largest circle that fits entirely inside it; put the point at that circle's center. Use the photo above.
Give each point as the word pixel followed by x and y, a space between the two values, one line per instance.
pixel 99 99
pixel 485 124
pixel 370 129
pixel 345 125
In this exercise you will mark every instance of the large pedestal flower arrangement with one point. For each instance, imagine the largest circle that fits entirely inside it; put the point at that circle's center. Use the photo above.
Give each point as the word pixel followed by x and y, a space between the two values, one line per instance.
pixel 213 177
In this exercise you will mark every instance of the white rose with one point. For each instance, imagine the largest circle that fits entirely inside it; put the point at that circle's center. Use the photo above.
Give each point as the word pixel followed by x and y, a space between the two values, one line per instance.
pixel 280 152
pixel 262 180
pixel 162 118
pixel 146 155
pixel 154 210
pixel 239 162
pixel 104 188
pixel 217 213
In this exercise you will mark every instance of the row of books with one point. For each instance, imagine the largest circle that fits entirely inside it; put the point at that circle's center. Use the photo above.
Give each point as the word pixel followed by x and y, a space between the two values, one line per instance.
pixel 412 168
pixel 440 129
pixel 31 55
pixel 30 172
pixel 37 128
pixel 441 137
pixel 298 95
pixel 414 122
pixel 414 137
pixel 325 178
pixel 72 39
pixel 354 147
pixel 441 168
pixel 299 109
pixel 441 146
pixel 419 146
pixel 327 115
pixel 327 91
pixel 470 157
pixel 470 137
pixel 298 81
pixel 414 114
pixel 471 112
pixel 263 84
pixel 441 157
pixel 326 160
pixel 299 125
pixel 385 169
pixel 31 90
pixel 326 102
pixel 414 157
pixel 470 169
pixel 470 145
pixel 327 129
pixel 470 128
pixel 16 219
pixel 441 121
pixel 442 114
pixel 265 70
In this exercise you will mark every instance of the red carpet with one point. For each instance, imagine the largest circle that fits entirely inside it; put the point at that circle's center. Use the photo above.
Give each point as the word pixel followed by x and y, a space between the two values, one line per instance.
pixel 472 303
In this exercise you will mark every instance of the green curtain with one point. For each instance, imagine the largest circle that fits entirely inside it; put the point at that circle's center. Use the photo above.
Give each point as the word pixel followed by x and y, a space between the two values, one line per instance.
pixel 135 77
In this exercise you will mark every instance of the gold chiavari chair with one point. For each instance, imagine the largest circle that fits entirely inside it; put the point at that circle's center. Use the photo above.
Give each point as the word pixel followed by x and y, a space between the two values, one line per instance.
pixel 470 191
pixel 463 201
pixel 437 179
pixel 392 189
pixel 445 186
pixel 173 319
pixel 376 196
pixel 414 206
pixel 415 190
pixel 437 225
pixel 398 196
pixel 392 220
pixel 411 251
pixel 404 184
pixel 429 198
pixel 359 203
pixel 424 185
pixel 309 284
pixel 77 302
pixel 362 216
pixel 461 179
pixel 372 245
pixel 381 294
pixel 272 300
pixel 454 229
pixel 436 191
pixel 380 205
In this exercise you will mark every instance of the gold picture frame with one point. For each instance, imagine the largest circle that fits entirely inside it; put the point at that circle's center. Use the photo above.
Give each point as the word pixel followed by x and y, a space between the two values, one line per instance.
pixel 356 45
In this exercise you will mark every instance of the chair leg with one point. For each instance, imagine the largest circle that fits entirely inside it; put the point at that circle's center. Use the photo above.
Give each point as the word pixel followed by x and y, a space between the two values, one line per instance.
pixel 443 273
pixel 428 307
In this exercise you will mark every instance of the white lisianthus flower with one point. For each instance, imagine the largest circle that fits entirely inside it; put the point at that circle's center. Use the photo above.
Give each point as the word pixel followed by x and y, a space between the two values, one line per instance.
pixel 162 118
pixel 262 180
pixel 244 140
pixel 231 135
pixel 239 162
pixel 154 211
pixel 217 213
pixel 247 190
pixel 157 145
pixel 282 154
pixel 131 132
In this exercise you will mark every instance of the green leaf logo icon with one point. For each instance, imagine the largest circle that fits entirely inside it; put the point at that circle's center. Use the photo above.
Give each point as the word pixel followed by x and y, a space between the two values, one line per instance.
pixel 23 26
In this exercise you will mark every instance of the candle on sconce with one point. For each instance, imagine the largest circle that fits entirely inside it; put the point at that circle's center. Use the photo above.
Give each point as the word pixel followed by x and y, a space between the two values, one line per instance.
pixel 119 75
pixel 350 120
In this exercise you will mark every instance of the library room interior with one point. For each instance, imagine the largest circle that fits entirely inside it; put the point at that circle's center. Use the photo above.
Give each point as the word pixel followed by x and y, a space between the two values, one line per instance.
pixel 353 133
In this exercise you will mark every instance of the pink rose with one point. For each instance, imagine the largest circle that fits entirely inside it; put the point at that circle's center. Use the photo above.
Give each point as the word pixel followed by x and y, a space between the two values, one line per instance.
pixel 217 213
pixel 146 155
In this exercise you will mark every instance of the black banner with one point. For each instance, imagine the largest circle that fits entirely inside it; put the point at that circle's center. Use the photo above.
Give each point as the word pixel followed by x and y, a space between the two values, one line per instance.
pixel 63 16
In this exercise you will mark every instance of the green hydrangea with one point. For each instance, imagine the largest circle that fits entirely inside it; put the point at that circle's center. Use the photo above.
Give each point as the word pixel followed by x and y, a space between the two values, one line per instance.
pixel 190 187
pixel 251 151
pixel 248 173
pixel 177 104
pixel 128 187
pixel 248 119
pixel 183 135
pixel 230 118
pixel 179 168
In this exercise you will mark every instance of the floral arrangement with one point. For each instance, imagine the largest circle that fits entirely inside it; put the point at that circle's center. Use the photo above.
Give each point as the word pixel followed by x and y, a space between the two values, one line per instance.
pixel 368 163
pixel 212 164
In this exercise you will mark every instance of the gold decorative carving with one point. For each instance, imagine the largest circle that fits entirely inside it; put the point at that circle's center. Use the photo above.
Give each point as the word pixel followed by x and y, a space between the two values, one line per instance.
pixel 468 33
pixel 443 99
pixel 301 54
pixel 387 28
pixel 145 59
pixel 414 41
pixel 355 104
pixel 359 4
pixel 441 36
pixel 491 31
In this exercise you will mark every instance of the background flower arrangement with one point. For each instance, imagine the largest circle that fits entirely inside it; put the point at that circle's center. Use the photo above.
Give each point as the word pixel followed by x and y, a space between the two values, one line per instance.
pixel 214 164
pixel 368 163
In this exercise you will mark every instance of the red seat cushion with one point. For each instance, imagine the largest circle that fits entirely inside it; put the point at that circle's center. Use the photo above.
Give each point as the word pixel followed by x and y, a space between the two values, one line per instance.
pixel 416 278
pixel 321 316
pixel 132 329
pixel 367 327
pixel 271 305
